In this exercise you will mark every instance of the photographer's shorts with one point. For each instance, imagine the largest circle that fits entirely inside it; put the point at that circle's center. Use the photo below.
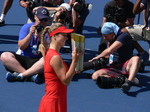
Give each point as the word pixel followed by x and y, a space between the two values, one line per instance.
pixel 26 62
pixel 117 69
pixel 135 31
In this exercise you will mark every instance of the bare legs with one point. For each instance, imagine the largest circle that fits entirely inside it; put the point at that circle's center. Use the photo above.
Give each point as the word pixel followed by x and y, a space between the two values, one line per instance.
pixel 132 68
pixel 7 5
pixel 10 62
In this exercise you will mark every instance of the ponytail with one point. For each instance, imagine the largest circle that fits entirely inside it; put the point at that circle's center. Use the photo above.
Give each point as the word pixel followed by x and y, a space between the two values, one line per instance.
pixel 44 45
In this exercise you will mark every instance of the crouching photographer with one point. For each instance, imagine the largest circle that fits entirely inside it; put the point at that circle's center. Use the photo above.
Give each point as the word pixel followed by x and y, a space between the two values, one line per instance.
pixel 29 5
pixel 115 15
pixel 104 82
pixel 29 64
pixel 61 17
pixel 122 65
pixel 80 12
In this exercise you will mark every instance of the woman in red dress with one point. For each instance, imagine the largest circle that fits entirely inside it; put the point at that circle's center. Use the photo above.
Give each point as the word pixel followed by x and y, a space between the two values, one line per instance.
pixel 57 75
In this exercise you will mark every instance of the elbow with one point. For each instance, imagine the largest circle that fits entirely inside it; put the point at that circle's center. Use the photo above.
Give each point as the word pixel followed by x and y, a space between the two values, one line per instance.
pixel 21 48
pixel 66 83
pixel 135 12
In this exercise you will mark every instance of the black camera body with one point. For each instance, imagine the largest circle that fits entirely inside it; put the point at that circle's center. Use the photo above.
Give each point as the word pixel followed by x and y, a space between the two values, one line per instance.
pixel 62 15
pixel 78 7
pixel 95 64
pixel 32 4
pixel 115 14
pixel 39 28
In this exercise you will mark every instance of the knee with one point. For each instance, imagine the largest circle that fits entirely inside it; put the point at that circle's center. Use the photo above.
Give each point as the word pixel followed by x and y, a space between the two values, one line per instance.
pixel 95 75
pixel 136 60
pixel 124 30
pixel 5 56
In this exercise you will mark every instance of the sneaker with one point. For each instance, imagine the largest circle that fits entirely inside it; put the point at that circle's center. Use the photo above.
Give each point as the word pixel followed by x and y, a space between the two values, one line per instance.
pixel 144 56
pixel 135 82
pixel 37 79
pixel 126 86
pixel 11 77
pixel 2 22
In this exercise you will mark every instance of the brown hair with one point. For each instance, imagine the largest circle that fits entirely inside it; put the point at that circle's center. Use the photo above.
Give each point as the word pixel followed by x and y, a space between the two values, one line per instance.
pixel 44 45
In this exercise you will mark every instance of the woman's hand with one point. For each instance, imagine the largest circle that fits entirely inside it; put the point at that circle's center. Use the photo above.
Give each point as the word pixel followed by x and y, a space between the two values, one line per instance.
pixel 76 54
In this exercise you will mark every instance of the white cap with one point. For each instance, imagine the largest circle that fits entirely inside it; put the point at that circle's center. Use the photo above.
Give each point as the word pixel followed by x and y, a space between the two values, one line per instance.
pixel 66 6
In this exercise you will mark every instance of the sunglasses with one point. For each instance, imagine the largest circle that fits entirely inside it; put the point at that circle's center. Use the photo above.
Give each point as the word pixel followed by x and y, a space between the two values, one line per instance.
pixel 45 19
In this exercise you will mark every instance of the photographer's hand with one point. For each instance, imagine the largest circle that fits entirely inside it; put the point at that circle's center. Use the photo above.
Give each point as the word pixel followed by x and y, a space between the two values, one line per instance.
pixel 60 9
pixel 32 29
pixel 24 4
pixel 57 17
pixel 93 59
pixel 71 2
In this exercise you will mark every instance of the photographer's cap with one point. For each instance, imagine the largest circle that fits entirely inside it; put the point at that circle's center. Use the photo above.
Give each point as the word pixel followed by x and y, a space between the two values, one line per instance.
pixel 109 27
pixel 66 6
pixel 42 13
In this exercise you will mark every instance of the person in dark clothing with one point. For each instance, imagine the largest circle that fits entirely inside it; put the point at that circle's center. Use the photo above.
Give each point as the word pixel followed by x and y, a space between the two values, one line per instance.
pixel 120 59
pixel 31 4
pixel 120 13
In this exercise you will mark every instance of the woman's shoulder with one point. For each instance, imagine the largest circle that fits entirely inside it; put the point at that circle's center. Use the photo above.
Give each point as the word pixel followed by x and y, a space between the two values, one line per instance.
pixel 52 52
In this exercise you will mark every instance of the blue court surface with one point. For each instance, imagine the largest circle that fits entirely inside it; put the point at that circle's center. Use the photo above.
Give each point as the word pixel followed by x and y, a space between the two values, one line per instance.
pixel 83 94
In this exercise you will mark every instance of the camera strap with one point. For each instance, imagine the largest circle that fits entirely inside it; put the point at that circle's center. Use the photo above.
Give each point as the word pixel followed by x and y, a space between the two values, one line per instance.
pixel 36 40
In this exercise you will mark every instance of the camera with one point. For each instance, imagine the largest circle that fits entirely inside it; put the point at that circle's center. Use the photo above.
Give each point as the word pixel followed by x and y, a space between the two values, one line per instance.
pixel 95 64
pixel 32 4
pixel 115 14
pixel 62 15
pixel 39 28
pixel 78 7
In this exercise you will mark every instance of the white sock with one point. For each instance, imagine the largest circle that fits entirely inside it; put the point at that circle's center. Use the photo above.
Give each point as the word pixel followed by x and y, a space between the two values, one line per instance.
pixel 20 75
pixel 2 17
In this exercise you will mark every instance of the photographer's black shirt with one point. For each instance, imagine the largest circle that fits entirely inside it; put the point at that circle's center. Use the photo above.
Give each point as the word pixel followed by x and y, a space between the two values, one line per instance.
pixel 119 14
pixel 125 52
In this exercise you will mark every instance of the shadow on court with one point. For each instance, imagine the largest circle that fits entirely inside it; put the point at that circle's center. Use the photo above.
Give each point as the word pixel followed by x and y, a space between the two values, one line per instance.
pixel 144 85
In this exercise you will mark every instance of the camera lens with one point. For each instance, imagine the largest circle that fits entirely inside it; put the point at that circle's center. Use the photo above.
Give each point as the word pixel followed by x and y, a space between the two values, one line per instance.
pixel 39 28
pixel 32 4
pixel 62 16
pixel 78 7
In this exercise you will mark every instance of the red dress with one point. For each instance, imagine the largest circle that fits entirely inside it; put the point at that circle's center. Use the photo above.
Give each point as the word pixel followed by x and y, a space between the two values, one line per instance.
pixel 55 98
